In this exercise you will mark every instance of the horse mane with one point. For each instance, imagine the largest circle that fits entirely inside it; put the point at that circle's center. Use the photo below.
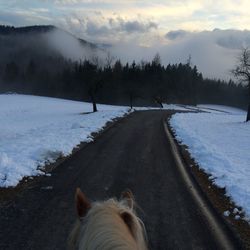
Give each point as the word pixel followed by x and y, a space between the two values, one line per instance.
pixel 109 225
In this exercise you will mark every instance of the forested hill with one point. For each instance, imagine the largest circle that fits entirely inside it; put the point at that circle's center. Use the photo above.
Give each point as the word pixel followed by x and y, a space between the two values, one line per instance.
pixel 44 44
pixel 37 29
pixel 11 30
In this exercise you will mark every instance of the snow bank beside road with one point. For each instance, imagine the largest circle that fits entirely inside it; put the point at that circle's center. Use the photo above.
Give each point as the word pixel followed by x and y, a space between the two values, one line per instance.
pixel 219 143
pixel 35 130
pixel 220 108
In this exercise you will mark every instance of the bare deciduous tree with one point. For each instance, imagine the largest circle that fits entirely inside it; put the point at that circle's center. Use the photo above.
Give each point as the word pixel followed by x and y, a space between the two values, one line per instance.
pixel 93 78
pixel 157 60
pixel 242 72
pixel 109 60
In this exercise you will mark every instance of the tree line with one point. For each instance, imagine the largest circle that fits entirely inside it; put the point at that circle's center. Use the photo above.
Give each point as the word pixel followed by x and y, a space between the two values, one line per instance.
pixel 144 83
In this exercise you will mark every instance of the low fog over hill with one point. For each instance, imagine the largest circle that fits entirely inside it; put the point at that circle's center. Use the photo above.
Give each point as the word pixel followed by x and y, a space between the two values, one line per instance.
pixel 45 60
pixel 213 52
pixel 42 43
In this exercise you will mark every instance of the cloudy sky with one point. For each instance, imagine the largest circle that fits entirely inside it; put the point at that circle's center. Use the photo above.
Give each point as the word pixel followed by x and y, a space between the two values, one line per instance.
pixel 175 28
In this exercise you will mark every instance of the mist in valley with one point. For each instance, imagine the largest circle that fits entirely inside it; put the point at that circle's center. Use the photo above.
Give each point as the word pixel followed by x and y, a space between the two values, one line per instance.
pixel 46 60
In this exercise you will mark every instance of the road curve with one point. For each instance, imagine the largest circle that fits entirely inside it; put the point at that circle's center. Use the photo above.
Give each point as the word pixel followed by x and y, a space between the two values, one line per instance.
pixel 133 154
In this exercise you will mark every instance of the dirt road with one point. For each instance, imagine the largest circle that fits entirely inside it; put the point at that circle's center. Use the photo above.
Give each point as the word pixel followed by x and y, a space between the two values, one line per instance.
pixel 132 154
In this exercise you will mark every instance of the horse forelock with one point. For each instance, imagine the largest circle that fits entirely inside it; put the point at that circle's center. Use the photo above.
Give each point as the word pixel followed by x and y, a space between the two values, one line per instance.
pixel 104 228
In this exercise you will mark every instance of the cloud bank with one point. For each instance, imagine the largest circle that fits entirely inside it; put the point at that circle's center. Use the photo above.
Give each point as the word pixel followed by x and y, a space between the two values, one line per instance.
pixel 138 29
pixel 214 52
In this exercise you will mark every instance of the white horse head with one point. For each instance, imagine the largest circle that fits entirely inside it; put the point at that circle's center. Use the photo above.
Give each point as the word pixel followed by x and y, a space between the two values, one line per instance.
pixel 112 224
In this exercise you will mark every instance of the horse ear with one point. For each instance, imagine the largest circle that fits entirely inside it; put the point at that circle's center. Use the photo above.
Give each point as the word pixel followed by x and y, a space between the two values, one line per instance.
pixel 128 220
pixel 128 197
pixel 82 203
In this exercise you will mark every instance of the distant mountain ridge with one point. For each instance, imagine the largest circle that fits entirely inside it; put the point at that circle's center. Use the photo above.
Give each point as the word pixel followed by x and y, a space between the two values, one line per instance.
pixel 44 45
pixel 10 30
pixel 37 29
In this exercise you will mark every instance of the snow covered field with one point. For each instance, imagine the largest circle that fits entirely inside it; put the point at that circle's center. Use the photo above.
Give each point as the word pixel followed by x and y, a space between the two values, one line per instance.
pixel 35 130
pixel 219 142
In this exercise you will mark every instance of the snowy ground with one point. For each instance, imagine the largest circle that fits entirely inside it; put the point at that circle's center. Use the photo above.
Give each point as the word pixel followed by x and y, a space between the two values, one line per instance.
pixel 165 106
pixel 35 130
pixel 219 142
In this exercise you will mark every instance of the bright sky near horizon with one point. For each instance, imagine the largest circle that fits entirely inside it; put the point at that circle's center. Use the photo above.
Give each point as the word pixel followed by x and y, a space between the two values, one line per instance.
pixel 113 20
pixel 139 29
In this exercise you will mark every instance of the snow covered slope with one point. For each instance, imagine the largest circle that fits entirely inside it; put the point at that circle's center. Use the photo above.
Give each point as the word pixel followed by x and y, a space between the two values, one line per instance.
pixel 219 142
pixel 35 130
